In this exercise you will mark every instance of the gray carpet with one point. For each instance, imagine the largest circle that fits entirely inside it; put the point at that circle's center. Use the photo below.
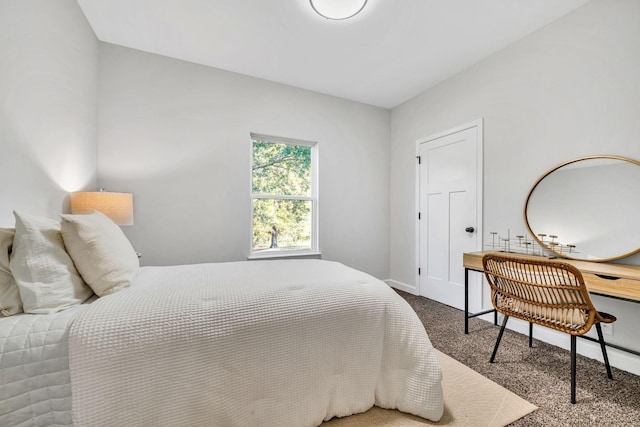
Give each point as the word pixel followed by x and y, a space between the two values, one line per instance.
pixel 540 375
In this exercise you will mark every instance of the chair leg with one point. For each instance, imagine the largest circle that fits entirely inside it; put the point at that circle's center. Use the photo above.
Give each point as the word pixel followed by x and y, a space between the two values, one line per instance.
pixel 495 349
pixel 573 369
pixel 604 351
pixel 530 335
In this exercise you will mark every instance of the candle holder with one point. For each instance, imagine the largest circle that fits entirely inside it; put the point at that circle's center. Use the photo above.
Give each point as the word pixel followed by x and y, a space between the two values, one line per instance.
pixel 545 245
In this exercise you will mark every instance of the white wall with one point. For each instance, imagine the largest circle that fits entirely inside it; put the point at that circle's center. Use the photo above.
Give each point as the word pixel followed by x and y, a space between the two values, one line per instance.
pixel 177 135
pixel 569 90
pixel 48 106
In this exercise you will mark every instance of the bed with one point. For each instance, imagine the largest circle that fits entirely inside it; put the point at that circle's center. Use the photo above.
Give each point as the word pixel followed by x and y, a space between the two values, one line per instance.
pixel 255 343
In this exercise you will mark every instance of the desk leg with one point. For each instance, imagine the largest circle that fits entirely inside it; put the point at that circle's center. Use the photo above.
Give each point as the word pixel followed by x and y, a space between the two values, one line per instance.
pixel 468 316
pixel 466 301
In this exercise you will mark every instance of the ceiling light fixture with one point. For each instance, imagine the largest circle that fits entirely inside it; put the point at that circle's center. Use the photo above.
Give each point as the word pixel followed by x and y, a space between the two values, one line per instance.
pixel 338 9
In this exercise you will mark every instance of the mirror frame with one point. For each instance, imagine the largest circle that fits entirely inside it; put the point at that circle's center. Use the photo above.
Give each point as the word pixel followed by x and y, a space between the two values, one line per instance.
pixel 555 168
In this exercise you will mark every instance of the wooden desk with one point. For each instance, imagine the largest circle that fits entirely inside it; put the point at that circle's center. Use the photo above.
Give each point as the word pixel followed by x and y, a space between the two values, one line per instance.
pixel 617 281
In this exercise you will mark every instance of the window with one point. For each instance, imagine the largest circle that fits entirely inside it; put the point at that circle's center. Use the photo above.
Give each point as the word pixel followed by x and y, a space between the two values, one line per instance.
pixel 284 196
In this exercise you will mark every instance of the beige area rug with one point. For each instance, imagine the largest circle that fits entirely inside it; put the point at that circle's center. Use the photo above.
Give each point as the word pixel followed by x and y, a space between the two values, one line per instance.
pixel 470 400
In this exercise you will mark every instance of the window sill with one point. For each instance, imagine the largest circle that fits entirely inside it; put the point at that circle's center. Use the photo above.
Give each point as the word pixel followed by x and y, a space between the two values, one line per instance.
pixel 280 255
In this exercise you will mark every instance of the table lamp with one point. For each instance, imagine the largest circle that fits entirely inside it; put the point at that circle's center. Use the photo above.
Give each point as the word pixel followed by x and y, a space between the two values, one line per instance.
pixel 117 206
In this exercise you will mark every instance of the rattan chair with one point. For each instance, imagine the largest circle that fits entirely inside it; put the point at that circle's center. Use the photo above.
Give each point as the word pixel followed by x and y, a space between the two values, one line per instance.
pixel 546 292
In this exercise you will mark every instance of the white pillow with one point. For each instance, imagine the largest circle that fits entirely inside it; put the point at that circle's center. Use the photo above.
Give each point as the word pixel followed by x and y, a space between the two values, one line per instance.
pixel 102 253
pixel 10 302
pixel 46 277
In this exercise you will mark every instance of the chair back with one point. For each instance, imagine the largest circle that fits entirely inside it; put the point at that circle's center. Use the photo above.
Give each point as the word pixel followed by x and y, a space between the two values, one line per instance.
pixel 547 292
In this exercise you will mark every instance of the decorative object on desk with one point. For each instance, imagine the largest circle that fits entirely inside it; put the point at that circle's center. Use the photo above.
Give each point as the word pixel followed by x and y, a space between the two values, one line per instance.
pixel 520 244
pixel 590 204
pixel 117 206
pixel 548 293
pixel 555 247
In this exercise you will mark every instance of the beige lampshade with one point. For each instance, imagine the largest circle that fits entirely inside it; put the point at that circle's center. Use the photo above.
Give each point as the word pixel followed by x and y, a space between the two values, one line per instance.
pixel 117 206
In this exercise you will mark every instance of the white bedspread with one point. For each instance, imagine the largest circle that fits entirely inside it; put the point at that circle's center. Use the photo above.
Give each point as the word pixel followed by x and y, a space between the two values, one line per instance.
pixel 260 343
pixel 34 369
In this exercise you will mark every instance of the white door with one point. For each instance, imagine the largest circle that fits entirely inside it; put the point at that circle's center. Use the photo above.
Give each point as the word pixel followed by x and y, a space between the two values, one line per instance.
pixel 450 210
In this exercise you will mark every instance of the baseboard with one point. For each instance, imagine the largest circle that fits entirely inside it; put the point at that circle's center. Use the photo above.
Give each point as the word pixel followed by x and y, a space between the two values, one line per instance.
pixel 402 286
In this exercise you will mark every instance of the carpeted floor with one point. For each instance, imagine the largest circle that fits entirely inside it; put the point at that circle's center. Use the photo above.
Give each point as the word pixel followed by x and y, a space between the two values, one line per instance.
pixel 540 375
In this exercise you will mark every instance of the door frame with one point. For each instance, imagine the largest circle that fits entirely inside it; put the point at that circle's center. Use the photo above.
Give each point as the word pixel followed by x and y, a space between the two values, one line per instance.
pixel 475 296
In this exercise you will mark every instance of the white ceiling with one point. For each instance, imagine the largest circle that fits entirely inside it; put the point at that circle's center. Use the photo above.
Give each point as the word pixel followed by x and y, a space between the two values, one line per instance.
pixel 390 52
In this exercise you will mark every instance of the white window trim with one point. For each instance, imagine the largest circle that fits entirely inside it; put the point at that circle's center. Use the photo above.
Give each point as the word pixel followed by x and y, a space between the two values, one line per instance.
pixel 315 243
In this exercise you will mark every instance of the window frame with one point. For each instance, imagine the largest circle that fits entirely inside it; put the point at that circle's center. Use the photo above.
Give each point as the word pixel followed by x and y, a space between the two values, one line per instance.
pixel 313 198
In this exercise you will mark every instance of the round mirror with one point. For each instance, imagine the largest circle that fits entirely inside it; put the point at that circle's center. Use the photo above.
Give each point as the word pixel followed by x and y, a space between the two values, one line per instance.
pixel 587 209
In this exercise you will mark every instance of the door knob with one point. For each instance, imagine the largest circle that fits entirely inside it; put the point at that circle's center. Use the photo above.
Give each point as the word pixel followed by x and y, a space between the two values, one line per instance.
pixel 469 229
